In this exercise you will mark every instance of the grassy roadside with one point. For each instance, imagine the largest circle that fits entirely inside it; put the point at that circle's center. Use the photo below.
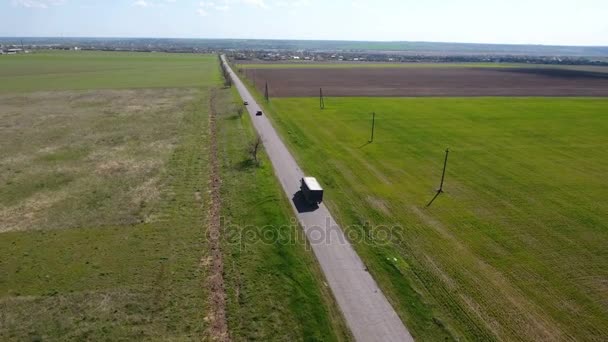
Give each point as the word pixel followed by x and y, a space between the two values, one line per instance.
pixel 275 288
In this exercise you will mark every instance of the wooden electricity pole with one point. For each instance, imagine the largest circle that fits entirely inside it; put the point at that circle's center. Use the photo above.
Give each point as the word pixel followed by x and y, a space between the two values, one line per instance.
pixel 266 92
pixel 321 99
pixel 373 126
pixel 445 165
pixel 440 190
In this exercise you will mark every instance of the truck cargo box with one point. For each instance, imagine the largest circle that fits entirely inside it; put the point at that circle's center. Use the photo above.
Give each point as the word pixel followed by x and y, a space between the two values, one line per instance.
pixel 311 189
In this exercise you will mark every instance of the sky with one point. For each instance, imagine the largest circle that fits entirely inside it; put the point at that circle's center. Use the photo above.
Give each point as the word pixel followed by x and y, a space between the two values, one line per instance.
pixel 548 22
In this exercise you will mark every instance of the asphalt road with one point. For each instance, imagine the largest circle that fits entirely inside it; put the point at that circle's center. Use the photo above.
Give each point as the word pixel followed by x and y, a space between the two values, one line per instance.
pixel 368 314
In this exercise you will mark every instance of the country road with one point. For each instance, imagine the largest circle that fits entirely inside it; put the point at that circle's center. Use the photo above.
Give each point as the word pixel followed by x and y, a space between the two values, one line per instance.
pixel 368 313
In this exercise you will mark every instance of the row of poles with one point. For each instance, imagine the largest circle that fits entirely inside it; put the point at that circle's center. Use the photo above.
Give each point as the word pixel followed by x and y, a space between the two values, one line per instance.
pixel 371 140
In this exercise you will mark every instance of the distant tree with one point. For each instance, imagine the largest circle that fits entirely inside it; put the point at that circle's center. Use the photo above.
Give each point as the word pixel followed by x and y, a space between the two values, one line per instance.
pixel 225 73
pixel 239 111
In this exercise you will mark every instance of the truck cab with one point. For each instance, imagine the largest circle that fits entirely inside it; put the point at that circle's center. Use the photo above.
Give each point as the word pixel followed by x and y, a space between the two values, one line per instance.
pixel 311 190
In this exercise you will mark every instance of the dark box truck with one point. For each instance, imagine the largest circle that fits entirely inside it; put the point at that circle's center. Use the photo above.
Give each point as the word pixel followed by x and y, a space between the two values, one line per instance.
pixel 312 191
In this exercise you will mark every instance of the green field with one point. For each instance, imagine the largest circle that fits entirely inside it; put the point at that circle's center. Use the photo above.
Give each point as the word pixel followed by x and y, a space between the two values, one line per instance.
pixel 515 249
pixel 73 70
pixel 104 169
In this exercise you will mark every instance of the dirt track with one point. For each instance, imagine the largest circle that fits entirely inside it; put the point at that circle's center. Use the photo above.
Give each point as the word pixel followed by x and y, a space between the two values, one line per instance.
pixel 430 82
pixel 218 325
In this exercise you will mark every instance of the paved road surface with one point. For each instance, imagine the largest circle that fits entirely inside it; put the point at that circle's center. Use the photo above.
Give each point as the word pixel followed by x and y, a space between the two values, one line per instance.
pixel 368 314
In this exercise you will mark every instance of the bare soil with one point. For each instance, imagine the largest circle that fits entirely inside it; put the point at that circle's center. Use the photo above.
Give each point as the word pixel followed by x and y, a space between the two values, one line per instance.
pixel 430 82
pixel 218 326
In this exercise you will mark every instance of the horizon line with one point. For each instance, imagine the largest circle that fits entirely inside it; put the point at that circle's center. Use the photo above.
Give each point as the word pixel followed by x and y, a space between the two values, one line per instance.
pixel 304 40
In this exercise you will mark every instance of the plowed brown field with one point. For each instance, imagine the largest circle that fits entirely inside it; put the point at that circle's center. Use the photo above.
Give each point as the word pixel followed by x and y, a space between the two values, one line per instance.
pixel 430 82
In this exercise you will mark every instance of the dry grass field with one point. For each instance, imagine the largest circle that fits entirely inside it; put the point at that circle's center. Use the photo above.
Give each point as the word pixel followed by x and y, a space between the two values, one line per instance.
pixel 98 155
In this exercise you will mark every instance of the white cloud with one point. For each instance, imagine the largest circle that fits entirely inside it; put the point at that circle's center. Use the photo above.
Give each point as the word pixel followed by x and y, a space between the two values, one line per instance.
pixel 38 3
pixel 292 3
pixel 222 6
pixel 141 3
pixel 208 6
pixel 257 3
pixel 152 3
pixel 205 6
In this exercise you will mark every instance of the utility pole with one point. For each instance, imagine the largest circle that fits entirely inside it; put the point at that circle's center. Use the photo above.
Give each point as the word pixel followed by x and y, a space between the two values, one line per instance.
pixel 266 93
pixel 321 99
pixel 440 190
pixel 445 165
pixel 373 126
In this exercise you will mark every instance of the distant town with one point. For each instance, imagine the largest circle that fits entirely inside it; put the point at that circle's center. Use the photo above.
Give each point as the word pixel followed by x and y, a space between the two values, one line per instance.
pixel 260 51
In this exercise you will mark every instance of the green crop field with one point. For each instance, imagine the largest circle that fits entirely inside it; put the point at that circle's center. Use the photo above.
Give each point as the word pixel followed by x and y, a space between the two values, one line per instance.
pixel 516 247
pixel 73 70
pixel 104 170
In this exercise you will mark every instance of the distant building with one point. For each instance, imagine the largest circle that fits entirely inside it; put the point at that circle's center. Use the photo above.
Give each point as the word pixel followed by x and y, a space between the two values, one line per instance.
pixel 13 51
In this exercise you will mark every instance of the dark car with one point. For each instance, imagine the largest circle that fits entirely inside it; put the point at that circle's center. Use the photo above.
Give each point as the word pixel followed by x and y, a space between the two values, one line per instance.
pixel 246 103
pixel 259 113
